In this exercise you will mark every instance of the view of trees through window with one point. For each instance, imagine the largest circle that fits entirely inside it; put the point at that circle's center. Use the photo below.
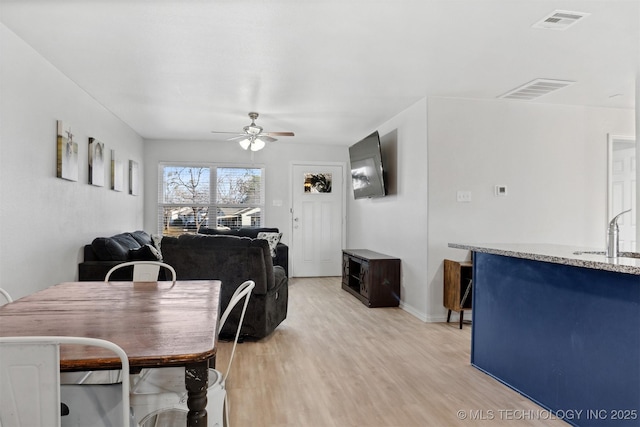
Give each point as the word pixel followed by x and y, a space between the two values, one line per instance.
pixel 209 196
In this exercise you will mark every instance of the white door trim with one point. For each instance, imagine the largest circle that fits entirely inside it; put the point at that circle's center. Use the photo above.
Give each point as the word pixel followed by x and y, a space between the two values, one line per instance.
pixel 613 139
pixel 343 214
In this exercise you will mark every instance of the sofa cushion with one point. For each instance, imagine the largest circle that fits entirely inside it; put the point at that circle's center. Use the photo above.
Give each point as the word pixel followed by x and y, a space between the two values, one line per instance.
pixel 241 232
pixel 216 232
pixel 114 248
pixel 272 238
pixel 142 237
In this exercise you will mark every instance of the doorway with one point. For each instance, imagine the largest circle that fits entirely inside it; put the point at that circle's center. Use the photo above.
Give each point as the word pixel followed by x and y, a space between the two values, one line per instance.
pixel 318 219
pixel 622 188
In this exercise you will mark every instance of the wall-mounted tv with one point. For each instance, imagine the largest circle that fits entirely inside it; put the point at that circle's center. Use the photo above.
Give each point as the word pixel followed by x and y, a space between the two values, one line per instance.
pixel 367 172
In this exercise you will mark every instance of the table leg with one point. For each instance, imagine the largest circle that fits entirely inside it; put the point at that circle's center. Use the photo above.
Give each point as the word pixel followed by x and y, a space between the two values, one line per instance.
pixel 197 380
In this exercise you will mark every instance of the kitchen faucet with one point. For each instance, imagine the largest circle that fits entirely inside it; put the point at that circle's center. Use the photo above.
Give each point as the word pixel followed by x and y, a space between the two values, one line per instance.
pixel 612 240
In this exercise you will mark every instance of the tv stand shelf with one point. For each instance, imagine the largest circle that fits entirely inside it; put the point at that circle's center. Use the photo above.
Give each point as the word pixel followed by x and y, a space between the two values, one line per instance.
pixel 371 277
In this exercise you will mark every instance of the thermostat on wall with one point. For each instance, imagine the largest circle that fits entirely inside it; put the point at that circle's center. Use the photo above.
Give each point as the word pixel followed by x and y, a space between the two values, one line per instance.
pixel 501 190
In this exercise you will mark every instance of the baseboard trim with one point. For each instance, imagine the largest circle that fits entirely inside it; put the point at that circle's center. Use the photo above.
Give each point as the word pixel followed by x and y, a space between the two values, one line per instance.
pixel 412 311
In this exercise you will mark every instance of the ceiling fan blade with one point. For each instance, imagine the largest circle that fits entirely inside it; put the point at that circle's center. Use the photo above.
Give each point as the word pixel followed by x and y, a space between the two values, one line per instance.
pixel 229 133
pixel 237 137
pixel 278 133
pixel 266 138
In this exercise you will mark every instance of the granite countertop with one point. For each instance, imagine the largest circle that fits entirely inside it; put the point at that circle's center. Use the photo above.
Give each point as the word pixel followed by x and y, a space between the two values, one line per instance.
pixel 560 254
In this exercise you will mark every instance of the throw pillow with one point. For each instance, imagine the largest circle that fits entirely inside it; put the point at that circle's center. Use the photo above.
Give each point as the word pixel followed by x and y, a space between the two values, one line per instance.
pixel 273 239
pixel 145 253
pixel 157 243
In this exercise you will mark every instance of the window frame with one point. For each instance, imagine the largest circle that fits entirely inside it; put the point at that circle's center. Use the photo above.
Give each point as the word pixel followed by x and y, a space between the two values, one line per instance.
pixel 212 205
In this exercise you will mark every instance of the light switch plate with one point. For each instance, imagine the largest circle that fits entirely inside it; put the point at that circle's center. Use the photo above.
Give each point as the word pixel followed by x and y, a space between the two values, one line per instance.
pixel 463 196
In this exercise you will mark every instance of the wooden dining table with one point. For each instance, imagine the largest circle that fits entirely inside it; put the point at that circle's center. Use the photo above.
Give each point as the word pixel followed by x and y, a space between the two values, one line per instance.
pixel 158 324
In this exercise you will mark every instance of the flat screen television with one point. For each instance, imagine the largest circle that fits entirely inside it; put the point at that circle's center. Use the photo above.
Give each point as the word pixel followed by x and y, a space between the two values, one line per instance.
pixel 367 171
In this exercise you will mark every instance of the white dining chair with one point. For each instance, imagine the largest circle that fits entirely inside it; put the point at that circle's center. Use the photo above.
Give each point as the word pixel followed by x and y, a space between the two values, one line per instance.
pixel 163 390
pixel 144 271
pixel 6 296
pixel 31 391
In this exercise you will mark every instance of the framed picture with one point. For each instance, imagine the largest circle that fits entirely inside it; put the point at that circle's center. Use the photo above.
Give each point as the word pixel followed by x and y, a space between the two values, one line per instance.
pixel 117 172
pixel 133 177
pixel 96 162
pixel 67 153
pixel 317 182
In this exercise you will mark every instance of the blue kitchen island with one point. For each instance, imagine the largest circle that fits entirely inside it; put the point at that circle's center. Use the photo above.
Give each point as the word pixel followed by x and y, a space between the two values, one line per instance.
pixel 560 325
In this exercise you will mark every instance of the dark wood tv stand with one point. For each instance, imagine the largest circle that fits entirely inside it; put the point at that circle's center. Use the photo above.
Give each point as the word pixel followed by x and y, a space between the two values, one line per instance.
pixel 371 277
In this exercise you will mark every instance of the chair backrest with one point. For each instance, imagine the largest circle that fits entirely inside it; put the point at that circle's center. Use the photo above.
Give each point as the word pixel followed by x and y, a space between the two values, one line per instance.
pixel 6 296
pixel 243 291
pixel 144 271
pixel 30 379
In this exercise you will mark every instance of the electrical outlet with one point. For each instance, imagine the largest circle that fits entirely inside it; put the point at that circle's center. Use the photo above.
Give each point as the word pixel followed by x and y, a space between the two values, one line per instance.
pixel 501 190
pixel 463 196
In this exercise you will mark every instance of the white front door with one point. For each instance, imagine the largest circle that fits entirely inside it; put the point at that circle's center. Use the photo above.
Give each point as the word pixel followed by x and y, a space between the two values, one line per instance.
pixel 317 219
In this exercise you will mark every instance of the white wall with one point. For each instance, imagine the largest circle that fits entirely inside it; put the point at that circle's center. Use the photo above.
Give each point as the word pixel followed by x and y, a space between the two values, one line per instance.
pixel 553 160
pixel 276 158
pixel 396 225
pixel 638 152
pixel 44 220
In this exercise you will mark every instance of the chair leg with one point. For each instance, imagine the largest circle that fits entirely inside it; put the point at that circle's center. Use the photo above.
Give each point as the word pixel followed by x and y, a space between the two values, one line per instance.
pixel 226 410
pixel 461 317
pixel 448 316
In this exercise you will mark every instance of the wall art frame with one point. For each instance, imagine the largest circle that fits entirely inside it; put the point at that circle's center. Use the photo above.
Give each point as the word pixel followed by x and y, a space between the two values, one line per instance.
pixel 96 162
pixel 67 152
pixel 117 172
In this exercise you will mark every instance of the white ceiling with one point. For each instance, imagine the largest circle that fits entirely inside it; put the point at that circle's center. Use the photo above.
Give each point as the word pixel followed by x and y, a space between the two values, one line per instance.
pixel 328 70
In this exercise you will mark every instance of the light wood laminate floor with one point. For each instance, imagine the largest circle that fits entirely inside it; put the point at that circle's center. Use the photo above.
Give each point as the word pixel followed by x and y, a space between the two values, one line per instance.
pixel 335 362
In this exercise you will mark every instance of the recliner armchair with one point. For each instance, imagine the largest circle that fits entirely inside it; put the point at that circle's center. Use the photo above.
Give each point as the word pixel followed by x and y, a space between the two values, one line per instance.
pixel 233 260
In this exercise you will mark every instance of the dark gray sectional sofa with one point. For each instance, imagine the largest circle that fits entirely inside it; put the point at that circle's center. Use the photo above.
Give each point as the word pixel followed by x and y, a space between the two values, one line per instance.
pixel 228 258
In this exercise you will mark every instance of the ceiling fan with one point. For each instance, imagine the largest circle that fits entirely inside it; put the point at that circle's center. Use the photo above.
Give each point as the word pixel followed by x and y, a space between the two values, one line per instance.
pixel 254 136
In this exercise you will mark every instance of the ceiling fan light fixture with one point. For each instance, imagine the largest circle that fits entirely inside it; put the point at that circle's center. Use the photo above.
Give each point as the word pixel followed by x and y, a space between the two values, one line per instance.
pixel 245 143
pixel 257 144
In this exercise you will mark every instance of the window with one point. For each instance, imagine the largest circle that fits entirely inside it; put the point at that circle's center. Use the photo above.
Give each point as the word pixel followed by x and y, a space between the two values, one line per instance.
pixel 191 196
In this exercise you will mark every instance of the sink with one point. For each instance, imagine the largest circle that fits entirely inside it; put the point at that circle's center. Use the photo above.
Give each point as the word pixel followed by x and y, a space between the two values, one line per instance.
pixel 620 254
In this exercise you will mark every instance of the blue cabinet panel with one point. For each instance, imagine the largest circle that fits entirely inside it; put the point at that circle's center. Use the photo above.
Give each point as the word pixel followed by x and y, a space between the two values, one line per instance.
pixel 567 337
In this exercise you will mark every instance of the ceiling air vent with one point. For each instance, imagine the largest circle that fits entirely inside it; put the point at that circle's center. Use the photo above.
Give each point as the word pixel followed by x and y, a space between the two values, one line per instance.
pixel 560 20
pixel 535 89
